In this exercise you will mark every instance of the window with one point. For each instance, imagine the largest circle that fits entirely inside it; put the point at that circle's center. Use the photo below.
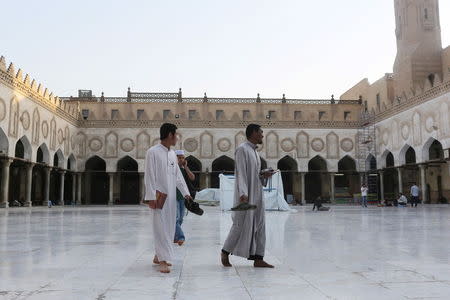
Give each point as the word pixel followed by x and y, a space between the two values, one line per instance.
pixel 219 114
pixel 192 114
pixel 426 13
pixel 321 114
pixel 365 105
pixel 245 115
pixel 166 114
pixel 297 115
pixel 378 101
pixel 85 114
pixel 114 114
pixel 346 115
pixel 139 114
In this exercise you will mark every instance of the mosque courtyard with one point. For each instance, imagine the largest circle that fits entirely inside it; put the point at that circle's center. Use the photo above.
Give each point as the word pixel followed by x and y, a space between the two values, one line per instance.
pixel 105 253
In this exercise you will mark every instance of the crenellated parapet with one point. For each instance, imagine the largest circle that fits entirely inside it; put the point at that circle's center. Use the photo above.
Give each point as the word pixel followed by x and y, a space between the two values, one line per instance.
pixel 37 92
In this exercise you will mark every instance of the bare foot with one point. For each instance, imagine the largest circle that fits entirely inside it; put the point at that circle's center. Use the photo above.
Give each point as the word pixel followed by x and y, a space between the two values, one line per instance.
pixel 180 242
pixel 164 267
pixel 262 264
pixel 157 262
pixel 225 260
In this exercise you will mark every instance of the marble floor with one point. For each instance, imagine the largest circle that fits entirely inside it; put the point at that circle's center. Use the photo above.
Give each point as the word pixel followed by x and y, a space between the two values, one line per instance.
pixel 105 253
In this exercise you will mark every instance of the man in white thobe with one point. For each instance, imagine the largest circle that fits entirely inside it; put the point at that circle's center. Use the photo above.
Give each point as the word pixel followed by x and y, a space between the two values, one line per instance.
pixel 162 178
pixel 247 237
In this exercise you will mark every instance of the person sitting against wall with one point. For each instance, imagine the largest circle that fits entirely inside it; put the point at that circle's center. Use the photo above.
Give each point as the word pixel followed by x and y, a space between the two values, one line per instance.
pixel 318 204
pixel 402 200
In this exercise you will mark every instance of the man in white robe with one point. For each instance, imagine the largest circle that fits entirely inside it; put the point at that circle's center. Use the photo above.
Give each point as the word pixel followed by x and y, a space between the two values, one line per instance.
pixel 247 236
pixel 162 178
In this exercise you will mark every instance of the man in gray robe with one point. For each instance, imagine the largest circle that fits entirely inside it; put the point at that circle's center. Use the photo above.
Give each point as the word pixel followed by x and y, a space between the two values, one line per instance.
pixel 247 237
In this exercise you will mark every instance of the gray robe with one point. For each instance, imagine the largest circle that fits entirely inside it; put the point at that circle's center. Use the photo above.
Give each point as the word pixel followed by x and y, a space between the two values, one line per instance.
pixel 247 236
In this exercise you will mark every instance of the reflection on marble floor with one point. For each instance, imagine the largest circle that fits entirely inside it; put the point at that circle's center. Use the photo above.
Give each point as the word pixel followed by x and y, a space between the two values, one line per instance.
pixel 105 253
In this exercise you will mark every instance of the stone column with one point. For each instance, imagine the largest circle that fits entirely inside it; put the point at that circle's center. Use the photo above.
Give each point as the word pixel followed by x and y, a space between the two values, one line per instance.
pixel 382 186
pixel 111 189
pixel 78 202
pixel 47 171
pixel 74 188
pixel 28 184
pixel 141 187
pixel 61 188
pixel 5 183
pixel 332 200
pixel 207 178
pixel 423 183
pixel 400 180
pixel 302 178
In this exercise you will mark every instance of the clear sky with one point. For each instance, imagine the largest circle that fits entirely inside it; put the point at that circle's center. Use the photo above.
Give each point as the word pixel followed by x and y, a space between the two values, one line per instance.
pixel 231 48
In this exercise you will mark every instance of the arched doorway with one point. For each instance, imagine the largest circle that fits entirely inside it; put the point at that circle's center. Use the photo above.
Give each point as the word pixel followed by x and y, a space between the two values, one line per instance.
pixel 96 181
pixel 196 167
pixel 410 170
pixel 347 180
pixel 372 179
pixel 289 170
pixel 127 169
pixel 317 180
pixel 55 178
pixel 221 165
pixel 17 181
pixel 437 177
pixel 38 182
pixel 390 179
pixel 70 180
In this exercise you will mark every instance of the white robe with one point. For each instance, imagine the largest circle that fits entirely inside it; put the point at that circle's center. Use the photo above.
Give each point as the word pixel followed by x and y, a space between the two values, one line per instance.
pixel 247 235
pixel 162 173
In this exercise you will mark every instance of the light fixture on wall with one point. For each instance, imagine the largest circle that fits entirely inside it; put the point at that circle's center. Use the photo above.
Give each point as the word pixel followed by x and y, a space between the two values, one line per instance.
pixel 177 116
pixel 268 117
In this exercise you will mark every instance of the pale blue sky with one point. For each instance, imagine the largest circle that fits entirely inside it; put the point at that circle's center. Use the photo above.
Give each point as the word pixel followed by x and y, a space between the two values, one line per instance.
pixel 232 48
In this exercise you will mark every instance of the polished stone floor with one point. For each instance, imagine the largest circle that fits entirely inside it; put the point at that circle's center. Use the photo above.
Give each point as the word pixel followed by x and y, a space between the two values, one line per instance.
pixel 105 253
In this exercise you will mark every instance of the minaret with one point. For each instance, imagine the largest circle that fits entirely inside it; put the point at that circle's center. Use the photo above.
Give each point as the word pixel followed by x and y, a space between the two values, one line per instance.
pixel 419 46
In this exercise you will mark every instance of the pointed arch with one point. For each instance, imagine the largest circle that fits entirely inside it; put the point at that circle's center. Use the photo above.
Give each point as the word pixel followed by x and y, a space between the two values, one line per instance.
pixel 95 163
pixel 43 154
pixel 71 163
pixel 387 159
pixel 317 163
pixel 4 143
pixel 371 162
pixel 287 163
pixel 58 159
pixel 432 150
pixel 407 155
pixel 221 165
pixel 347 163
pixel 23 148
pixel 127 163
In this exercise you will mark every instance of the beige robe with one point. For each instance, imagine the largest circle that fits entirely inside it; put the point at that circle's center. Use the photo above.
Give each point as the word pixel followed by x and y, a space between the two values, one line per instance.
pixel 247 236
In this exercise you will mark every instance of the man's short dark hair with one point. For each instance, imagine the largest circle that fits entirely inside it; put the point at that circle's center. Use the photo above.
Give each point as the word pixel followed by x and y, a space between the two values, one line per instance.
pixel 166 129
pixel 251 128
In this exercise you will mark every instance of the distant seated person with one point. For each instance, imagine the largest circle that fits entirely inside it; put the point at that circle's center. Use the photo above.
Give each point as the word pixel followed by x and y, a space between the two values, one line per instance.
pixel 402 200
pixel 318 204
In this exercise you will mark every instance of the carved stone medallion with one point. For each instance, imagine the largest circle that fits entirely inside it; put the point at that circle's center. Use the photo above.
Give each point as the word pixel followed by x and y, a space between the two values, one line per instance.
pixel 2 110
pixel 60 136
pixel 127 145
pixel 317 144
pixel 224 144
pixel 287 145
pixel 95 144
pixel 25 118
pixel 347 144
pixel 429 124
pixel 44 129
pixel 190 145
pixel 405 131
